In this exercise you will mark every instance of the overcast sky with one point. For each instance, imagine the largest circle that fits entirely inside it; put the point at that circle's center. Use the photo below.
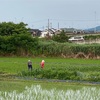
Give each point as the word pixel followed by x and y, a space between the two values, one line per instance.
pixel 68 13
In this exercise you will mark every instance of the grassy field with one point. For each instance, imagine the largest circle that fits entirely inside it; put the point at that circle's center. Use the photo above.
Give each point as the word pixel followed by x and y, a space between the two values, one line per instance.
pixel 14 65
pixel 84 68
pixel 16 88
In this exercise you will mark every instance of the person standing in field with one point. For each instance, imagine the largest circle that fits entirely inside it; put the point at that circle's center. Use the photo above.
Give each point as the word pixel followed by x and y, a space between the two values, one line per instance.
pixel 42 64
pixel 29 65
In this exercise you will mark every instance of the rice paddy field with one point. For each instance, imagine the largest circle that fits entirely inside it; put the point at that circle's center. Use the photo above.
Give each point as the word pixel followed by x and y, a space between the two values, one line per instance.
pixel 20 89
pixel 44 90
pixel 14 65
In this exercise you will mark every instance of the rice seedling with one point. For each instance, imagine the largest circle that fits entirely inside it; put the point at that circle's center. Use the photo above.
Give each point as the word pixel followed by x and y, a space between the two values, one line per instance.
pixel 36 92
pixel 81 69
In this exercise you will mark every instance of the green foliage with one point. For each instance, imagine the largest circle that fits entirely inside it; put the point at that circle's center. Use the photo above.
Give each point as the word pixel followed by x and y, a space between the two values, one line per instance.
pixel 92 37
pixel 9 28
pixel 20 44
pixel 61 37
pixel 55 68
pixel 62 74
pixel 94 49
pixel 16 40
pixel 52 48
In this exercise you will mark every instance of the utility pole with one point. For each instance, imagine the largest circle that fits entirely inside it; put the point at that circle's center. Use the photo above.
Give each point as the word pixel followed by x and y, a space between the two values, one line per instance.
pixel 58 25
pixel 48 27
pixel 95 23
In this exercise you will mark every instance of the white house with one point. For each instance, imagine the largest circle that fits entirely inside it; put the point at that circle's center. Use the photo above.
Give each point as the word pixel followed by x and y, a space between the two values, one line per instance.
pixel 46 32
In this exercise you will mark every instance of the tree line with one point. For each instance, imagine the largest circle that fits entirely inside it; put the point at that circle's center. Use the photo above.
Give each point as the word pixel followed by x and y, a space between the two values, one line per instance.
pixel 15 39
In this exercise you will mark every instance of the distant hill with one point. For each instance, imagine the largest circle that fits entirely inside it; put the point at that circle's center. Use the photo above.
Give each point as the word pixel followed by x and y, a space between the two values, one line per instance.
pixel 95 29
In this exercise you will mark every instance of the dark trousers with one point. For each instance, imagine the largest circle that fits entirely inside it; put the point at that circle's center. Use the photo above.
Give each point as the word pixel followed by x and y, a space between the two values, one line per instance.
pixel 29 67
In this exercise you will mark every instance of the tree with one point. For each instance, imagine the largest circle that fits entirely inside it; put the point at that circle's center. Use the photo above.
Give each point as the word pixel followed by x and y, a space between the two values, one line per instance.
pixel 9 28
pixel 62 37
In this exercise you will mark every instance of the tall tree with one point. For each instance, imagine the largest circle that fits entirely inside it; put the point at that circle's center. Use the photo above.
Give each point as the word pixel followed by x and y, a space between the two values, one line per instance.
pixel 10 28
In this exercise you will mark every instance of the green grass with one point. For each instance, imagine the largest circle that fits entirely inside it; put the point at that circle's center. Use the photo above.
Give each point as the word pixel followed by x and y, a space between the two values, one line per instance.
pixel 14 65
pixel 85 68
pixel 55 68
pixel 19 85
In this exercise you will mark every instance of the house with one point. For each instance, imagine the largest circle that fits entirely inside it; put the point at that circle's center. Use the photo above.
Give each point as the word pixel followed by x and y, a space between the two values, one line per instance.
pixel 42 34
pixel 35 32
pixel 47 32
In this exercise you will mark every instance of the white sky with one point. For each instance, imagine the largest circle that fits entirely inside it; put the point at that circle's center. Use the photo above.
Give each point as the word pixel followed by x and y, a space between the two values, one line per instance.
pixel 68 13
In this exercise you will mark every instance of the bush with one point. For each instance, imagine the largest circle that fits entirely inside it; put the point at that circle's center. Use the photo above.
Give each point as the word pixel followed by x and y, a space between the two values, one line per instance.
pixel 18 45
